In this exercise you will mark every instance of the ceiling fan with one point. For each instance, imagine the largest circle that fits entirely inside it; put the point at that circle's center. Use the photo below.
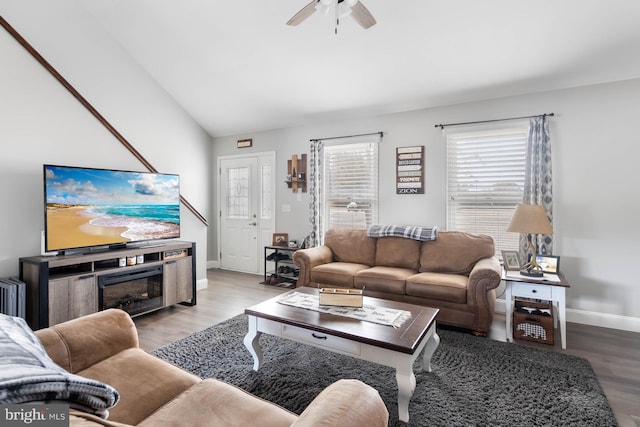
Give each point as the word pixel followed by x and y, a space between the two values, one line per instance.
pixel 355 8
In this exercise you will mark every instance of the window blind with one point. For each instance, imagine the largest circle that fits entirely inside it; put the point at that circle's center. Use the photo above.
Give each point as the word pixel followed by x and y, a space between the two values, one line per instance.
pixel 350 185
pixel 485 181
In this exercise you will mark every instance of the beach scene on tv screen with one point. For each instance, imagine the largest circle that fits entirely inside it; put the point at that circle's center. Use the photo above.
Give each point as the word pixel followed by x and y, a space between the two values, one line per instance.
pixel 91 207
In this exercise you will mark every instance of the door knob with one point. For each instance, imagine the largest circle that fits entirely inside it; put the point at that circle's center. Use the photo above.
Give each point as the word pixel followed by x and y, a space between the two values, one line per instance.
pixel 253 223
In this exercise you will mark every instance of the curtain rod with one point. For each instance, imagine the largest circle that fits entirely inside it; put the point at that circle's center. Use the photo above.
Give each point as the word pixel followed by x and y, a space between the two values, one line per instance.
pixel 441 126
pixel 348 136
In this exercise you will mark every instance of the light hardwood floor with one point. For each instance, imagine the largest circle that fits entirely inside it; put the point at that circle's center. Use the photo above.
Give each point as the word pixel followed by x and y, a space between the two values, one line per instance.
pixel 614 354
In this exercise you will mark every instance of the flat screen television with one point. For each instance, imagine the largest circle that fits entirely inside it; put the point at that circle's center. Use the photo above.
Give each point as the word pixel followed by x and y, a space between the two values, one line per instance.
pixel 88 207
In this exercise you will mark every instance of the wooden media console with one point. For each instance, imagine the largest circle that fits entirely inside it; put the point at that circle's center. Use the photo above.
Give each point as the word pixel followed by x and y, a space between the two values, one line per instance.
pixel 61 288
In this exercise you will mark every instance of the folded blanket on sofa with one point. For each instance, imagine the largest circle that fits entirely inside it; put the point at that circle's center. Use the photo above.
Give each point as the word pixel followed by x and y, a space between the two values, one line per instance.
pixel 410 232
pixel 28 374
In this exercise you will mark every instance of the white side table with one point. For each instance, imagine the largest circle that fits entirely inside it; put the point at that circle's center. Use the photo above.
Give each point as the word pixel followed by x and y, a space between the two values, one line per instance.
pixel 529 287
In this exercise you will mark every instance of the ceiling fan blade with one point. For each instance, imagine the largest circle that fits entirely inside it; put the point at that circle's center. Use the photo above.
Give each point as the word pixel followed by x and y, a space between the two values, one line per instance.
pixel 304 13
pixel 362 15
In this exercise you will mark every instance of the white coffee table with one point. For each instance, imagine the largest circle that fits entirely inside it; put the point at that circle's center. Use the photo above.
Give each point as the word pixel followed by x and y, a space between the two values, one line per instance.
pixel 397 348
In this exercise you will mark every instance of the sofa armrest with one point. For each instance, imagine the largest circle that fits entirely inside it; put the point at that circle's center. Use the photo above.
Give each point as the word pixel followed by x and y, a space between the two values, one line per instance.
pixel 345 403
pixel 484 278
pixel 308 258
pixel 487 274
pixel 79 343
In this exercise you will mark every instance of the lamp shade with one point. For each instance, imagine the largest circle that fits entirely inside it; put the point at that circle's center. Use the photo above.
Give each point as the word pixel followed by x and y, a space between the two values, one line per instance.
pixel 530 219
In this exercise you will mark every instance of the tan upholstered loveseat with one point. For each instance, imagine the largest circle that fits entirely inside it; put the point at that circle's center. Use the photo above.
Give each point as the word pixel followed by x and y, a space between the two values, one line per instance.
pixel 456 273
pixel 104 347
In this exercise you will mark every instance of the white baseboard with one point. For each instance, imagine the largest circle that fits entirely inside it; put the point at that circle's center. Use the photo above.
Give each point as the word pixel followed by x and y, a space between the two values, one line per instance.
pixel 201 284
pixel 592 318
pixel 213 264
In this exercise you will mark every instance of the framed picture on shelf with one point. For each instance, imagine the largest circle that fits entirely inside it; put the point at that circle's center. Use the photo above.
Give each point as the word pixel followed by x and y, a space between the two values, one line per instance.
pixel 549 263
pixel 280 239
pixel 511 260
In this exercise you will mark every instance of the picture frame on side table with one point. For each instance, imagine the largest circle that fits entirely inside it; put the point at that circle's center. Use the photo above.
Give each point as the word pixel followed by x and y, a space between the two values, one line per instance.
pixel 549 263
pixel 280 239
pixel 511 260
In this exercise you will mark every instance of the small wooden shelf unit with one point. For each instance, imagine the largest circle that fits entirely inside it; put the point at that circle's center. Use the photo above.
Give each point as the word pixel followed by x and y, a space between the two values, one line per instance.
pixel 297 173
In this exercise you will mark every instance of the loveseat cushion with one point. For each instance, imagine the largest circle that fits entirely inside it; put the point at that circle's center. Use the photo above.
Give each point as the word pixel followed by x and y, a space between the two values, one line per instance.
pixel 216 403
pixel 455 252
pixel 145 383
pixel 398 252
pixel 383 279
pixel 351 246
pixel 440 286
pixel 339 274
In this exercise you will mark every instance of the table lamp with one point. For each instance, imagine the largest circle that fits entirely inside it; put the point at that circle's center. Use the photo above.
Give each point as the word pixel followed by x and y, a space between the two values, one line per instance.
pixel 530 219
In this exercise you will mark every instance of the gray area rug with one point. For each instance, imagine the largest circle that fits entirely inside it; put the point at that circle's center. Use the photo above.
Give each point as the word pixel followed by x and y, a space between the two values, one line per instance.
pixel 475 381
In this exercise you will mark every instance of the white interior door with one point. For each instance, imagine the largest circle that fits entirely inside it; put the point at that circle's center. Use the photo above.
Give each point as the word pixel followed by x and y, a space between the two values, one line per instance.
pixel 246 204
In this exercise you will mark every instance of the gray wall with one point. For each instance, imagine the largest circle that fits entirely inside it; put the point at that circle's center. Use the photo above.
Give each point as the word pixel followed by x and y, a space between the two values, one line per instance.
pixel 595 150
pixel 40 122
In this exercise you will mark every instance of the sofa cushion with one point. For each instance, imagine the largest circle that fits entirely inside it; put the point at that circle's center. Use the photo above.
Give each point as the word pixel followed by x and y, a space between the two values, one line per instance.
pixel 383 279
pixel 351 246
pixel 336 273
pixel 398 252
pixel 216 403
pixel 440 286
pixel 455 252
pixel 145 383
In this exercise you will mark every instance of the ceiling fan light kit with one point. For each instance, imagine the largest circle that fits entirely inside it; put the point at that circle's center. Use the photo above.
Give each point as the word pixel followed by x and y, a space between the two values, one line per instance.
pixel 342 8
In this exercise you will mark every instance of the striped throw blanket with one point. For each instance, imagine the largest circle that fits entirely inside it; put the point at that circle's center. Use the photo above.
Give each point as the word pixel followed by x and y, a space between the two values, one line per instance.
pixel 416 233
pixel 29 375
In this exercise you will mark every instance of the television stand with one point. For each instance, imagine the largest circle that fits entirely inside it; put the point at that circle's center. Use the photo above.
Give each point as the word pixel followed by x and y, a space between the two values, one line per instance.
pixel 64 287
pixel 149 245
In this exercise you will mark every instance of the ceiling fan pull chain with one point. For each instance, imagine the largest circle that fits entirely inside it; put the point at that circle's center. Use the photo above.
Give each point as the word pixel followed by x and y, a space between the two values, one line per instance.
pixel 337 17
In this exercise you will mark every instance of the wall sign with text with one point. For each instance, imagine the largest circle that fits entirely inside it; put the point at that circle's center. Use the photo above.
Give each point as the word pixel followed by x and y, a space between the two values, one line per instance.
pixel 410 170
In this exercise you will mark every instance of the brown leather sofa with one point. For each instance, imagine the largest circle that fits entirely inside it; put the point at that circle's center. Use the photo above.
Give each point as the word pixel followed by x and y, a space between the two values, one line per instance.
pixel 104 346
pixel 456 273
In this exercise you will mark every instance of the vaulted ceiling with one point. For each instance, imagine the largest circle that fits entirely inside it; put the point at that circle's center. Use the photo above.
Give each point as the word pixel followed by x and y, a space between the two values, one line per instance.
pixel 235 66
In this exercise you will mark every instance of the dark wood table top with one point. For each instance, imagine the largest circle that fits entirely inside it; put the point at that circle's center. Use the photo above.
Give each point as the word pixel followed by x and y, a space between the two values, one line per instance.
pixel 405 339
pixel 515 277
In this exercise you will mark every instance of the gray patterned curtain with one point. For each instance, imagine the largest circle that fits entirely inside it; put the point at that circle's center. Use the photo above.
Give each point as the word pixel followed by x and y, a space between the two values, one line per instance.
pixel 315 192
pixel 538 183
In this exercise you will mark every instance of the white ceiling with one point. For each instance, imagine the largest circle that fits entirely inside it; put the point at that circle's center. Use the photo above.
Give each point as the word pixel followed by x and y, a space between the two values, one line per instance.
pixel 235 66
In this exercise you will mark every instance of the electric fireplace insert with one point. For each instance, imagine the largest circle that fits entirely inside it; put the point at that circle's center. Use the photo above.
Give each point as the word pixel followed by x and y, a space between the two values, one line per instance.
pixel 134 291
